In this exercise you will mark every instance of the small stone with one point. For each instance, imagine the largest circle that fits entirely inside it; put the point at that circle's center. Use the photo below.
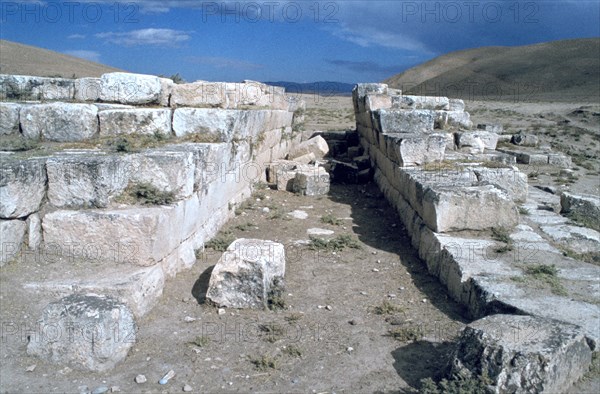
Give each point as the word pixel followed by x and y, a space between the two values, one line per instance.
pixel 298 215
pixel 187 388
pixel 320 306
pixel 115 389
pixel 266 210
pixel 31 368
pixel 350 349
pixel 185 299
pixel 378 261
pixel 364 293
pixel 353 322
pixel 375 270
pixel 221 311
pixel 100 390
pixel 424 301
pixel 374 252
pixel 189 319
pixel 140 379
pixel 328 307
pixel 401 288
pixel 392 295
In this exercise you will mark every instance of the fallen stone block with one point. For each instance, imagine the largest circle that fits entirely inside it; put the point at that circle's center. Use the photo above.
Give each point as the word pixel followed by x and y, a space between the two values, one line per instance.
pixel 316 145
pixel 143 121
pixel 581 207
pixel 306 159
pixel 415 149
pixel 247 273
pixel 522 354
pixel 311 182
pixel 525 140
pixel 22 187
pixel 400 121
pixel 9 118
pixel 88 89
pixel 532 158
pixel 13 234
pixel 447 209
pixel 24 87
pixel 59 122
pixel 85 332
pixel 129 88
pixel 420 102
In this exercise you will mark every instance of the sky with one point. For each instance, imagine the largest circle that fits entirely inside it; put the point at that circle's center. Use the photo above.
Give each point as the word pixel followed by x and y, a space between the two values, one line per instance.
pixel 299 41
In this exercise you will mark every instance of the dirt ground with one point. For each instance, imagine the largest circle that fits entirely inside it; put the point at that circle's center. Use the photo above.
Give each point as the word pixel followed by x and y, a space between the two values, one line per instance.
pixel 342 309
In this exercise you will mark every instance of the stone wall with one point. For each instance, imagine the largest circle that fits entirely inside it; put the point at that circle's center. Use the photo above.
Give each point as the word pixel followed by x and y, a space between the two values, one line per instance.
pixel 452 191
pixel 70 200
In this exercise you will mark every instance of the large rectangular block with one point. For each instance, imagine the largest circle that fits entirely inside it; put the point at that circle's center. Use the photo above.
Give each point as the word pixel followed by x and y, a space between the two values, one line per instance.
pixel 88 89
pixel 59 122
pixel 24 87
pixel 129 88
pixel 420 102
pixel 226 125
pixel 22 187
pixel 468 208
pixel 414 149
pixel 199 94
pixel 399 121
pixel 9 118
pixel 135 121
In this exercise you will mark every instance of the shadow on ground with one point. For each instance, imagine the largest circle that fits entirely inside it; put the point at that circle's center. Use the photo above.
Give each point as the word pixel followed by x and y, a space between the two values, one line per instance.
pixel 201 285
pixel 377 225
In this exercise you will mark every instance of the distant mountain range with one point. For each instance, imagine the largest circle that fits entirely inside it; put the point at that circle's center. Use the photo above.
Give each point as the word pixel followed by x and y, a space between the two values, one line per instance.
pixel 566 70
pixel 324 88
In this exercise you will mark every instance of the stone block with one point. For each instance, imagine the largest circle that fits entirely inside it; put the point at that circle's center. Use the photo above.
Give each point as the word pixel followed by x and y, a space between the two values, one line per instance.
pixel 59 122
pixel 522 354
pixel 461 120
pixel 12 233
pixel 316 145
pixel 85 332
pixel 24 87
pixel 522 139
pixel 421 102
pixel 144 121
pixel 456 105
pixel 399 121
pixel 9 118
pixel 312 181
pixel 199 94
pixel 587 207
pixel 88 89
pixel 511 180
pixel 129 88
pixel 22 187
pixel 247 273
pixel 415 149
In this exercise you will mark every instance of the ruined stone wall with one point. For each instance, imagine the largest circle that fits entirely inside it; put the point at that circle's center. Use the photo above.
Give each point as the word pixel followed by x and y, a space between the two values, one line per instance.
pixel 451 188
pixel 69 199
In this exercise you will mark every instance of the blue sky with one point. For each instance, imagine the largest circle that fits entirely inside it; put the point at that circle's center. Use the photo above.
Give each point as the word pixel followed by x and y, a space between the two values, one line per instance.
pixel 300 41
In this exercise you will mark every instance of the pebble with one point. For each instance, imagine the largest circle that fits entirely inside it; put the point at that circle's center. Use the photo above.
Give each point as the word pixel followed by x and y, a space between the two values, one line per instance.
pixel 115 389
pixel 31 368
pixel 401 288
pixel 189 319
pixel 185 299
pixel 221 311
pixel 187 388
pixel 320 306
pixel 375 270
pixel 374 252
pixel 328 307
pixel 364 293
pixel 298 215
pixel 424 301
pixel 378 261
pixel 350 349
pixel 266 210
pixel 392 295
pixel 140 379
pixel 100 390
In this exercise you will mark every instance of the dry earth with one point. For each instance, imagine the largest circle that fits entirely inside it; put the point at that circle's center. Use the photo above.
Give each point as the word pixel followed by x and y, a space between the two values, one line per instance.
pixel 344 346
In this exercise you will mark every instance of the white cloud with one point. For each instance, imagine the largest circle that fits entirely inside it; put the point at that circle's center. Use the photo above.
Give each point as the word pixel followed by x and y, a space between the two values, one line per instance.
pixel 159 37
pixel 223 62
pixel 83 54
pixel 76 37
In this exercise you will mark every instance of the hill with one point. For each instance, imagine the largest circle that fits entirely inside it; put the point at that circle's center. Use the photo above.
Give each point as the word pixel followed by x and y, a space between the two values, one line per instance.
pixel 564 70
pixel 23 59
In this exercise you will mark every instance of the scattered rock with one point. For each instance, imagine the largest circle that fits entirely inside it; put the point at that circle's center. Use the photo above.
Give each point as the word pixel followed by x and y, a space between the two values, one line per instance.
pixel 189 319
pixel 522 139
pixel 246 273
pixel 140 379
pixel 30 368
pixel 187 388
pixel 319 232
pixel 298 215
pixel 317 146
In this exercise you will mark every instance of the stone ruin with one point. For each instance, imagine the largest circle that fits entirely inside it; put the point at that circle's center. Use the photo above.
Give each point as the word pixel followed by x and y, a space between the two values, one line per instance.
pixel 71 201
pixel 452 188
